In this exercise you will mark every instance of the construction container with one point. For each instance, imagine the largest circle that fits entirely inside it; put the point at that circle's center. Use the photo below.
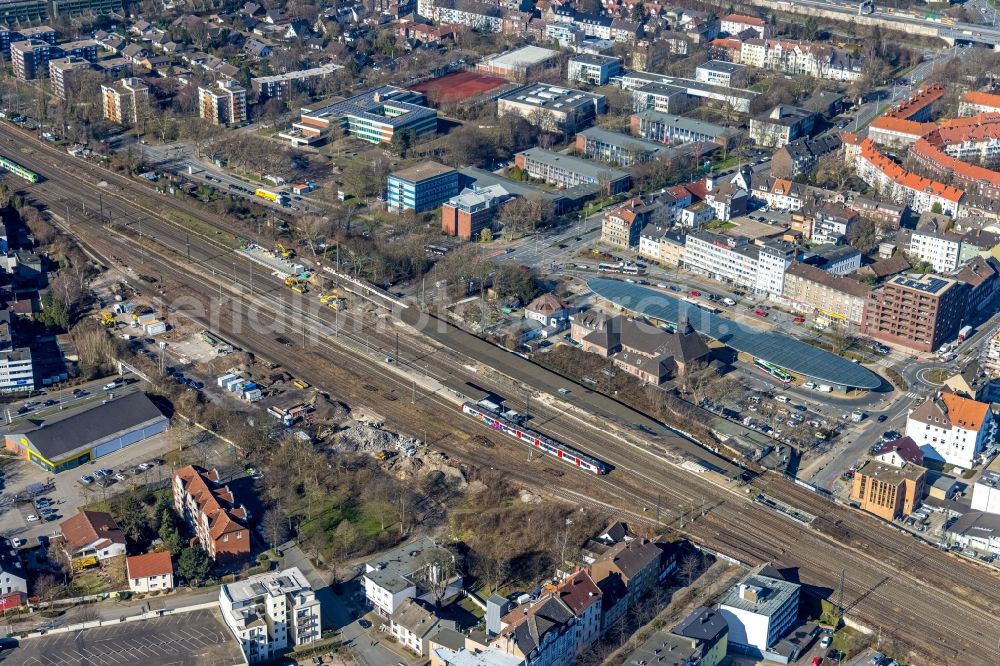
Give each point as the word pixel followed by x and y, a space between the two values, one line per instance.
pixel 253 395
pixel 225 379
pixel 155 328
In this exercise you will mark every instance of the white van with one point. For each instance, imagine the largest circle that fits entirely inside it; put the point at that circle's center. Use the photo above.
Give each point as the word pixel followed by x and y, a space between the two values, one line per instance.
pixel 781 398
pixel 824 388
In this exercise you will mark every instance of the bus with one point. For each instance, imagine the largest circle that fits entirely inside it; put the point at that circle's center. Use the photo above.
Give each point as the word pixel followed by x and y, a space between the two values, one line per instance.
pixel 276 197
pixel 773 370
pixel 436 250
pixel 18 170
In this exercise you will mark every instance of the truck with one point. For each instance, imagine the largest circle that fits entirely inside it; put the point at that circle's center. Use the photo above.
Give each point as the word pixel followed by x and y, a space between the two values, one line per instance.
pixel 964 333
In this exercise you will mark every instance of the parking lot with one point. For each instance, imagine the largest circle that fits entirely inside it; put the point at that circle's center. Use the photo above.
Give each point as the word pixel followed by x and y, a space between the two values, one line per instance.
pixel 196 638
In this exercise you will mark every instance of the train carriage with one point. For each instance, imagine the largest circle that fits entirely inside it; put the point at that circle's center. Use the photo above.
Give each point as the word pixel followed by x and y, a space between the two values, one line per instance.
pixel 537 440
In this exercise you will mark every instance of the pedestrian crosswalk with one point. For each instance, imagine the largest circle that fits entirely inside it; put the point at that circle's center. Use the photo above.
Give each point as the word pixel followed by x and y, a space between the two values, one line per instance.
pixel 912 394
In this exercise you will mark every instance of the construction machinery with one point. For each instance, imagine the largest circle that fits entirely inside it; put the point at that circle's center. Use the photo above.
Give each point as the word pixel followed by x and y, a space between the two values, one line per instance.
pixel 107 319
pixel 286 253
pixel 300 288
pixel 291 281
pixel 336 303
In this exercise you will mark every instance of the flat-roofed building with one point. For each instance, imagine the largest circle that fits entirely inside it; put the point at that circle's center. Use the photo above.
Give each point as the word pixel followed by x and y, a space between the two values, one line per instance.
pixel 624 150
pixel 672 94
pixel 918 313
pixel 124 101
pixel 283 86
pixel 62 71
pixel 519 64
pixel 225 104
pixel 553 108
pixel 421 187
pixel 889 491
pixel 30 58
pixel 781 125
pixel 374 116
pixel 569 171
pixel 592 68
pixel 670 128
pixel 392 577
pixel 760 610
pixel 721 73
pixel 467 214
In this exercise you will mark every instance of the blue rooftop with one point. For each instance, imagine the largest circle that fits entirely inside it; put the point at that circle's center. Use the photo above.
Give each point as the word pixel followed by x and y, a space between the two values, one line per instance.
pixel 784 351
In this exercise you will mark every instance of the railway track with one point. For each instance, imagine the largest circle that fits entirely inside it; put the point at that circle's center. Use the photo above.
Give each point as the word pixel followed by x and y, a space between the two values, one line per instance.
pixel 879 591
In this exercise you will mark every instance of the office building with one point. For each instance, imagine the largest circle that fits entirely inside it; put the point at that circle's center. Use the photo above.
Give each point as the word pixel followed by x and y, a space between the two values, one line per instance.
pixel 892 485
pixel 271 613
pixel 701 639
pixel 553 108
pixel 569 171
pixel 920 313
pixel 421 187
pixel 284 86
pixel 671 94
pixel 760 610
pixel 124 101
pixel 950 428
pixel 669 128
pixel 472 210
pixel 213 513
pixel 225 104
pixel 592 68
pixel 375 116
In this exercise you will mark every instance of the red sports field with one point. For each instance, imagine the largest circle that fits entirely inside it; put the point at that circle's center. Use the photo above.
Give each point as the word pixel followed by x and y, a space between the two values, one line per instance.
pixel 458 86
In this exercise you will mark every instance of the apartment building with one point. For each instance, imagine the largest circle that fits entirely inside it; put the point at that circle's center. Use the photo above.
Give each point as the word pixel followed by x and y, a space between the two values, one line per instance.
pixel 472 211
pixel 124 101
pixel 700 639
pixel 543 633
pixel 151 572
pixel 915 313
pixel 802 155
pixel 7 37
pixel 932 242
pixel 405 572
pixel 760 610
pixel 991 358
pixel 965 151
pixel 815 59
pixel 582 596
pixel 950 428
pixel 781 125
pixel 553 108
pixel 670 128
pixel 622 225
pixel 283 86
pixel 421 187
pixel 832 222
pixel 374 116
pixel 734 260
pixel 780 194
pixel 13 577
pixel 836 297
pixel 904 187
pixel 592 68
pixel 30 58
pixel 63 70
pixel 975 102
pixel 569 171
pixel 270 613
pixel 213 513
pixel 737 24
pixel 661 245
pixel 225 104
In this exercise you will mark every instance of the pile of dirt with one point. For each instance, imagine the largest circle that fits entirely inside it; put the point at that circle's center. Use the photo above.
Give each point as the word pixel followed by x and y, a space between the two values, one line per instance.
pixel 327 410
pixel 429 463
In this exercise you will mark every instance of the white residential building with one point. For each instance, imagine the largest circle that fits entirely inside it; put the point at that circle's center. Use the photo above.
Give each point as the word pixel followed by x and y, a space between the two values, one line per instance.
pixel 760 610
pixel 991 359
pixel 951 428
pixel 412 624
pixel 735 24
pixel 270 613
pixel 13 576
pixel 735 261
pixel 941 249
pixel 800 58
pixel 399 574
pixel 152 572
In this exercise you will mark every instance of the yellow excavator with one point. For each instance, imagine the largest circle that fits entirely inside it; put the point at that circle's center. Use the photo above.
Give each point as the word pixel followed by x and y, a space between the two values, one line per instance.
pixel 328 296
pixel 107 319
pixel 291 281
pixel 286 253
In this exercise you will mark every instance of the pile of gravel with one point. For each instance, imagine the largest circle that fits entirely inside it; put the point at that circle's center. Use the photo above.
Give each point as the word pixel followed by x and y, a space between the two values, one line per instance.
pixel 364 437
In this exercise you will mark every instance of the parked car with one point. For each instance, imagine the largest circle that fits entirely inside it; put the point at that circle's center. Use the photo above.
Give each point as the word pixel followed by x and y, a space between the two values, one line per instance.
pixel 104 472
pixel 882 418
pixel 760 313
pixel 825 642
pixel 121 476
pixel 32 518
pixel 87 479
pixel 18 542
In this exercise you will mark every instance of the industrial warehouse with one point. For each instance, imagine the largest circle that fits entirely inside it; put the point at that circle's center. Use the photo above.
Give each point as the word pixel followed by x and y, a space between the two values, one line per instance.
pixel 66 443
